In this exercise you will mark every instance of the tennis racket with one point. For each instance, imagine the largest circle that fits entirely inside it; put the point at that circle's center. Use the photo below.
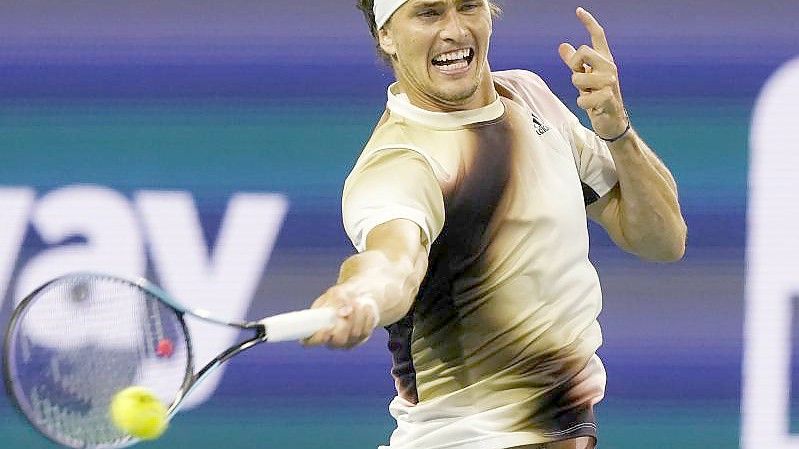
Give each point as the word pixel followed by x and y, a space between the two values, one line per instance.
pixel 77 340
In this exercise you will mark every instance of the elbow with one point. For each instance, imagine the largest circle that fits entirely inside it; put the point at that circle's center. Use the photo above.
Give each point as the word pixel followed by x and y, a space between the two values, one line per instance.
pixel 674 253
pixel 678 243
pixel 671 248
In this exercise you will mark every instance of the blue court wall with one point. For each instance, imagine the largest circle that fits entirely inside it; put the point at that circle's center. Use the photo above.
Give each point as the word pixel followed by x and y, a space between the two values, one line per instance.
pixel 215 100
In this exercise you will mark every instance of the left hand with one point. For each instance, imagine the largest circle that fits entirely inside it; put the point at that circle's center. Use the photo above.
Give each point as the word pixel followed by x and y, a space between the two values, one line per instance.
pixel 596 78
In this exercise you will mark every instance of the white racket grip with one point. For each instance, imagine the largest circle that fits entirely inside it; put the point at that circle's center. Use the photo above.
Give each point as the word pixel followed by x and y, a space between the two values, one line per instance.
pixel 304 323
pixel 298 325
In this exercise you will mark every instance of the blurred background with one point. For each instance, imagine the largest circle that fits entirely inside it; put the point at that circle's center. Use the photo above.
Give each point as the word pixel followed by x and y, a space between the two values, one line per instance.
pixel 139 124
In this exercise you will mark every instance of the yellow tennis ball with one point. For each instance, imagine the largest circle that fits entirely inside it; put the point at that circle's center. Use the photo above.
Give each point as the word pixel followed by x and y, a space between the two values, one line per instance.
pixel 137 412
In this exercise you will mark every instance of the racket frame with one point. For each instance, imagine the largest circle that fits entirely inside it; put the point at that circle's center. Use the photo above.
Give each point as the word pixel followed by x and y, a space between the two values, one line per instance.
pixel 191 377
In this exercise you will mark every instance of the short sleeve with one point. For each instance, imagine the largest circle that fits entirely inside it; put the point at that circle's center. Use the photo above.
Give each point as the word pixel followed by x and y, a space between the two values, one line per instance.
pixel 594 162
pixel 591 154
pixel 392 184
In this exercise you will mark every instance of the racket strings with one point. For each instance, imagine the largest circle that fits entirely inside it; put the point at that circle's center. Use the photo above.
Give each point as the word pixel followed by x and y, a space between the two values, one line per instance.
pixel 82 339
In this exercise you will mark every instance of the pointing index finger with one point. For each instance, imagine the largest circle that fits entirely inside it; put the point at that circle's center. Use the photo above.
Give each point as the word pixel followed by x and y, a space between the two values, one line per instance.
pixel 598 38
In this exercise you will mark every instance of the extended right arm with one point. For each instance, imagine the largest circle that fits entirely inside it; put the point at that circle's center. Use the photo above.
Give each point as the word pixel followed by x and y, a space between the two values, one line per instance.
pixel 393 209
pixel 389 271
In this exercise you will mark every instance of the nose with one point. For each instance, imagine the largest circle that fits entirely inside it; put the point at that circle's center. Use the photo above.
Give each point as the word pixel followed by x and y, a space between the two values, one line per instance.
pixel 452 26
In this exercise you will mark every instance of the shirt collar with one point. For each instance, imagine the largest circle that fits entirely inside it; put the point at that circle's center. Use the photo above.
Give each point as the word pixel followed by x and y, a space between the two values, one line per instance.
pixel 399 103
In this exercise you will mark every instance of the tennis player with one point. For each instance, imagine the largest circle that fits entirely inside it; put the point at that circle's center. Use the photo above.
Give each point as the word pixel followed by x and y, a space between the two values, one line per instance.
pixel 468 207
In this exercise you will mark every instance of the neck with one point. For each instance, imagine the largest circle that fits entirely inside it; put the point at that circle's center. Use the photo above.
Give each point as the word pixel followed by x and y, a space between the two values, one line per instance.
pixel 484 95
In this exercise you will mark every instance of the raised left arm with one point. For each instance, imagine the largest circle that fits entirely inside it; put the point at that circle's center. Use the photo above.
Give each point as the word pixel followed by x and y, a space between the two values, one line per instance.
pixel 642 213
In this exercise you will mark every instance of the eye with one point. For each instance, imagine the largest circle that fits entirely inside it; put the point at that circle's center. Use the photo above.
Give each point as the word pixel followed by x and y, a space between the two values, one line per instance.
pixel 428 13
pixel 470 6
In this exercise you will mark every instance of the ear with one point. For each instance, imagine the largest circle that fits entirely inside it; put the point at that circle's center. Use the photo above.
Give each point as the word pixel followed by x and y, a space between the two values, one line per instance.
pixel 387 41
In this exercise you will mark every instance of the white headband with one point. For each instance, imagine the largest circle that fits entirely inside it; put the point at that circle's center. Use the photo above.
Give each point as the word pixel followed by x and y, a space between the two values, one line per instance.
pixel 384 9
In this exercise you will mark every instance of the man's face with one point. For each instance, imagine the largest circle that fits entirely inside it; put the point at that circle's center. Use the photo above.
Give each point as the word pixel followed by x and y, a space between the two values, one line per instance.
pixel 439 49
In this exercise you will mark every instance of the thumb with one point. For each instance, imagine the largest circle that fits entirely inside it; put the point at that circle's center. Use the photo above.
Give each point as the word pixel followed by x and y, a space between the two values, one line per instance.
pixel 566 52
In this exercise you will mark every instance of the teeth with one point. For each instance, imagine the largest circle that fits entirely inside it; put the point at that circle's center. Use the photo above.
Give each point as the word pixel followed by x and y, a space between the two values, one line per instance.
pixel 453 55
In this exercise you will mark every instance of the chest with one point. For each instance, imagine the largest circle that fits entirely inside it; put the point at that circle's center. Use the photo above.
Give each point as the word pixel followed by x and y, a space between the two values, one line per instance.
pixel 518 169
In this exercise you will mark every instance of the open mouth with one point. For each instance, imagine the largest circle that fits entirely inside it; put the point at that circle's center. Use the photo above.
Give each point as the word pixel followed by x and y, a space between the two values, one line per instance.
pixel 454 60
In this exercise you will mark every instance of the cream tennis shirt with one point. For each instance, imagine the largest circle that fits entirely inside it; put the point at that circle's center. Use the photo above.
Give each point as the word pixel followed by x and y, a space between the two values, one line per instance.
pixel 501 341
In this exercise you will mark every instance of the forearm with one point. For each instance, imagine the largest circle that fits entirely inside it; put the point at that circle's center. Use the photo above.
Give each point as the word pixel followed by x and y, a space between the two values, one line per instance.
pixel 649 210
pixel 642 214
pixel 391 278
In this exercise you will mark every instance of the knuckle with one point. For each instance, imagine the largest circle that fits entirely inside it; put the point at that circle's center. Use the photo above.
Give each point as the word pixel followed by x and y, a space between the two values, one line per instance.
pixel 338 341
pixel 356 340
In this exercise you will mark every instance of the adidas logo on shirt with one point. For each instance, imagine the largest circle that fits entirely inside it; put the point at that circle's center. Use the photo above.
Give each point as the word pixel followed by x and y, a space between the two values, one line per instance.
pixel 540 127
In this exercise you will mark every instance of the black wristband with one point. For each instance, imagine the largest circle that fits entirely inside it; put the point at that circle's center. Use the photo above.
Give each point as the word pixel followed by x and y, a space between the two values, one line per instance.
pixel 624 133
